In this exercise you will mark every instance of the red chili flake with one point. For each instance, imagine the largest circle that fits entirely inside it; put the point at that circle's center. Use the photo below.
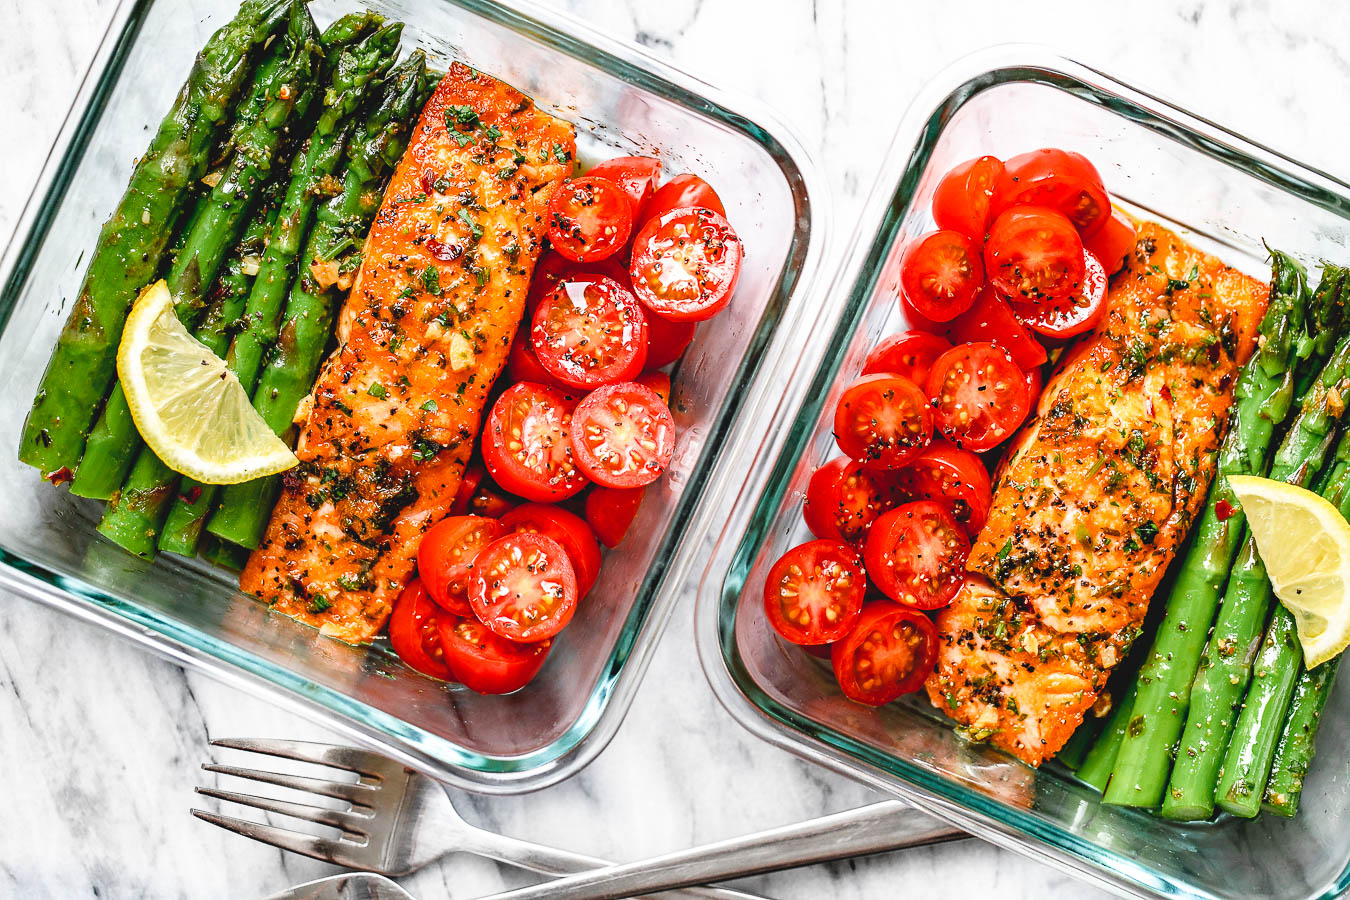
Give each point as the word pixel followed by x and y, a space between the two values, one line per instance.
pixel 1224 510
pixel 1167 393
pixel 61 475
pixel 192 495
pixel 444 252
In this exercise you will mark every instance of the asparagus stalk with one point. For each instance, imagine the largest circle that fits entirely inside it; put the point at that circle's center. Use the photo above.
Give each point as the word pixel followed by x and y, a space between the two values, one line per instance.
pixel 1264 394
pixel 1101 758
pixel 114 444
pixel 1076 748
pixel 134 239
pixel 307 322
pixel 356 70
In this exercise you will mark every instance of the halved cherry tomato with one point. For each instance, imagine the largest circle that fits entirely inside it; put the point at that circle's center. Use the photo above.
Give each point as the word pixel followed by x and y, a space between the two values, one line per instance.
pixel 1035 385
pixel 637 175
pixel 610 512
pixel 991 319
pixel 413 634
pixel 554 268
pixel 890 652
pixel 623 436
pixel 979 395
pixel 1034 255
pixel 589 219
pixel 523 587
pixel 659 382
pixel 955 477
pixel 478 496
pixel 940 274
pixel 844 498
pixel 485 662
pixel 916 554
pixel 1114 243
pixel 590 331
pixel 909 353
pixel 1062 180
pixel 682 192
pixel 474 473
pixel 667 340
pixel 965 195
pixel 1066 318
pixel 568 529
pixel 685 264
pixel 446 555
pixel 883 421
pixel 814 592
pixel 526 445
pixel 523 365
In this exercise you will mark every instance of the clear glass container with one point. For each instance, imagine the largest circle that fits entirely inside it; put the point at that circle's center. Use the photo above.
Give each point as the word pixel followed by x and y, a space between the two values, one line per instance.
pixel 622 101
pixel 1223 192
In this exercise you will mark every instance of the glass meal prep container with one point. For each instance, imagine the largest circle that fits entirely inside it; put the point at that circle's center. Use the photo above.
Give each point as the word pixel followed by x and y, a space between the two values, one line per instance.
pixel 1224 193
pixel 622 101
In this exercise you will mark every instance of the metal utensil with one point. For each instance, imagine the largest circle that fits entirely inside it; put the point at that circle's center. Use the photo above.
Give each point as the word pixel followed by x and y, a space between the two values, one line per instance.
pixel 352 886
pixel 400 820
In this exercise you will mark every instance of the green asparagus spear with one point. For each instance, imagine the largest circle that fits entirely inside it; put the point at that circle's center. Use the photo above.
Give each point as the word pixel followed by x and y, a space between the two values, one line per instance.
pixel 1265 389
pixel 114 443
pixel 357 69
pixel 133 240
pixel 1101 758
pixel 1084 737
pixel 288 376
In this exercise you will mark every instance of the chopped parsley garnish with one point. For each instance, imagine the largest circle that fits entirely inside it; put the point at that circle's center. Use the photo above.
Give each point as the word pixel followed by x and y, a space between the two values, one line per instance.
pixel 463 118
pixel 377 390
pixel 475 230
pixel 430 406
pixel 431 280
pixel 560 154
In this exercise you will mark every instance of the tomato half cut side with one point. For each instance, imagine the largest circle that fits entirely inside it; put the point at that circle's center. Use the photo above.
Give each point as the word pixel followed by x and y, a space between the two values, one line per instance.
pixel 979 395
pixel 523 587
pixel 1034 255
pixel 992 319
pixel 965 196
pixel 486 662
pixel 589 331
pixel 814 592
pixel 1064 319
pixel 916 554
pixel 909 353
pixel 611 511
pixel 667 340
pixel 1062 180
pixel 568 529
pixel 954 477
pixel 940 274
pixel 685 264
pixel 682 192
pixel 637 175
pixel 447 552
pixel 883 421
pixel 413 631
pixel 525 443
pixel 1114 243
pixel 844 498
pixel 589 219
pixel 623 436
pixel 889 653
pixel 554 268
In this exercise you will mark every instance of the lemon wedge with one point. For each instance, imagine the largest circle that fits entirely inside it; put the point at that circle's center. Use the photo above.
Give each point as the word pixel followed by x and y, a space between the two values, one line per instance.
pixel 189 408
pixel 1305 544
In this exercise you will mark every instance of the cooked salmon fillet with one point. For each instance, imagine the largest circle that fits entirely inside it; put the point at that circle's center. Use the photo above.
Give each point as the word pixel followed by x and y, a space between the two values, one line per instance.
pixel 421 338
pixel 1099 489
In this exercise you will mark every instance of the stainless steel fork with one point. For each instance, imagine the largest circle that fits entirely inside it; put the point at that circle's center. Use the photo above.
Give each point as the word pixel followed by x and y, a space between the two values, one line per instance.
pixel 400 820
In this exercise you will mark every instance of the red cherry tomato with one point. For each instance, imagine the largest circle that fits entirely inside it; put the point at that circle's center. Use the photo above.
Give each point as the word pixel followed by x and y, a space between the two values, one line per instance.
pixel 554 268
pixel 1066 318
pixel 991 319
pixel 623 436
pixel 955 477
pixel 478 496
pixel 610 512
pixel 889 652
pixel 637 175
pixel 413 634
pixel 659 382
pixel 485 662
pixel 844 498
pixel 1034 255
pixel 682 192
pixel 979 395
pixel 940 274
pixel 590 331
pixel 685 264
pixel 446 554
pixel 568 529
pixel 666 340
pixel 1035 385
pixel 964 197
pixel 474 473
pixel 814 592
pixel 1062 180
pixel 526 446
pixel 523 365
pixel 883 421
pixel 1114 243
pixel 523 587
pixel 909 353
pixel 916 554
pixel 589 219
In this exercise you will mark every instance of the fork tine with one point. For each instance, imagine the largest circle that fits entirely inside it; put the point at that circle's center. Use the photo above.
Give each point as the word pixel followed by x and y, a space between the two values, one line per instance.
pixel 350 758
pixel 316 814
pixel 353 792
pixel 326 849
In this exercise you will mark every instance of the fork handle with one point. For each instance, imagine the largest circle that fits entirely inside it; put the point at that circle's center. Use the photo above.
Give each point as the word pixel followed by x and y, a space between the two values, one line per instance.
pixel 888 825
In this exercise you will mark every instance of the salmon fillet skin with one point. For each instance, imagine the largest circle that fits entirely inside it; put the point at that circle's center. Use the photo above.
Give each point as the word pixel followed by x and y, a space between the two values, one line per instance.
pixel 1093 498
pixel 422 336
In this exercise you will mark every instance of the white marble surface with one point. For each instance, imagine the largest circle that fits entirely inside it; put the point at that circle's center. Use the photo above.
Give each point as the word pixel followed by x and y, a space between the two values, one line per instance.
pixel 100 743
